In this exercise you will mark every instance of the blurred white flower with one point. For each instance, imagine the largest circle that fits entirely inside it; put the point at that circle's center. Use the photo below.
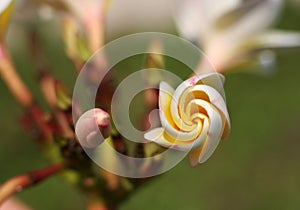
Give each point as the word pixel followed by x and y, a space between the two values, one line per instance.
pixel 4 4
pixel 232 31
pixel 194 117
pixel 133 16
pixel 5 11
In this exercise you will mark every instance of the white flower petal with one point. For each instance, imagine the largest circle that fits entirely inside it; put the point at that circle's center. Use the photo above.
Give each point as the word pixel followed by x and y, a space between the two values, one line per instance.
pixel 165 89
pixel 157 135
pixel 214 133
pixel 252 20
pixel 214 80
pixel 215 129
pixel 4 4
pixel 187 16
pixel 195 18
pixel 194 156
pixel 165 98
pixel 215 98
pixel 167 118
pixel 275 39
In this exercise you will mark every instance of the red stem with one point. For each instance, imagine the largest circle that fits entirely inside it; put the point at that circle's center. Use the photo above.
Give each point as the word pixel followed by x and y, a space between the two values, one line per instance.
pixel 18 183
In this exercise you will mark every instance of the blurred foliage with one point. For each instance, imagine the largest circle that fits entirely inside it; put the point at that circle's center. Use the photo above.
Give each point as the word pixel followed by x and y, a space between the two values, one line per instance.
pixel 257 168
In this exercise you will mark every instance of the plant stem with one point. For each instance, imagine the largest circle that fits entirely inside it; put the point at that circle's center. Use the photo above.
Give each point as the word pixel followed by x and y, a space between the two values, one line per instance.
pixel 47 84
pixel 95 34
pixel 18 183
pixel 13 80
pixel 70 31
pixel 36 115
pixel 98 206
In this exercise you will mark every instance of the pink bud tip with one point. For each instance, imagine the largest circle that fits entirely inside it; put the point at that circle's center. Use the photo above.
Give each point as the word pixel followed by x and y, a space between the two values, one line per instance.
pixel 93 127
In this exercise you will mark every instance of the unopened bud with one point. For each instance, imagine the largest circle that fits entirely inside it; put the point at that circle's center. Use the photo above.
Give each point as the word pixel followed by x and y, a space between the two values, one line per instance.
pixel 93 127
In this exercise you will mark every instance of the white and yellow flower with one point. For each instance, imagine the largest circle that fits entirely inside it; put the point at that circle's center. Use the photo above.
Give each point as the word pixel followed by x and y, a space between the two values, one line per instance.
pixel 232 32
pixel 194 117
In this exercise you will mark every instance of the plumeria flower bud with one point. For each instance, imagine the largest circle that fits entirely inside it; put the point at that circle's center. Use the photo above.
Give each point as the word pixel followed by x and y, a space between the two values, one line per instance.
pixel 5 11
pixel 93 127
pixel 232 31
pixel 194 117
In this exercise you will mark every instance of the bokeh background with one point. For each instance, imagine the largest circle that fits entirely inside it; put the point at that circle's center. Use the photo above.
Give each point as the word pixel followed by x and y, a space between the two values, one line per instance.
pixel 257 168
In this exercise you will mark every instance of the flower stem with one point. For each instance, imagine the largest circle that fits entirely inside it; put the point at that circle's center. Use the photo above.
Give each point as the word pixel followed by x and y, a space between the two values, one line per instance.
pixel 95 34
pixel 97 206
pixel 48 86
pixel 18 183
pixel 13 80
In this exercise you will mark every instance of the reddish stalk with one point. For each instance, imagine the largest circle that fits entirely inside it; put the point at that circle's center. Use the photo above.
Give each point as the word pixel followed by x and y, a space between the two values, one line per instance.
pixel 97 206
pixel 21 182
pixel 13 80
pixel 38 119
pixel 47 84
pixel 20 91
pixel 14 204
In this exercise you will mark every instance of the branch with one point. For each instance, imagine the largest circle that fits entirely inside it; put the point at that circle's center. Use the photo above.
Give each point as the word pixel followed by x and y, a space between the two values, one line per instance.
pixel 21 182
pixel 13 80
pixel 15 204
pixel 49 88
pixel 97 206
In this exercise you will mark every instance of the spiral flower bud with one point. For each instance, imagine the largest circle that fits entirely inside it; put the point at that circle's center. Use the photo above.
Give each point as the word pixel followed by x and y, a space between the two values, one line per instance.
pixel 93 127
pixel 194 117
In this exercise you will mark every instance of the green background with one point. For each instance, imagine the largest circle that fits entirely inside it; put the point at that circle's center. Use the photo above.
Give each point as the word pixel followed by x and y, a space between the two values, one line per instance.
pixel 257 168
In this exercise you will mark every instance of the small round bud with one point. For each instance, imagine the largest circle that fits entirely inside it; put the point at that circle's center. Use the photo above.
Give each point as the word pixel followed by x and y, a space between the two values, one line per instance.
pixel 93 127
